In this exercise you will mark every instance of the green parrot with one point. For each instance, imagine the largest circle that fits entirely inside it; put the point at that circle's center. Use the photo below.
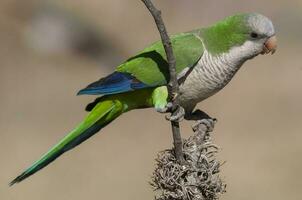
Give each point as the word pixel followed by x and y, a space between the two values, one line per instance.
pixel 206 60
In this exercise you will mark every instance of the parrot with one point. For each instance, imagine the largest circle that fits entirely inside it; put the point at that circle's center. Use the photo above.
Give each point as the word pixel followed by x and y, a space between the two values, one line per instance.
pixel 206 60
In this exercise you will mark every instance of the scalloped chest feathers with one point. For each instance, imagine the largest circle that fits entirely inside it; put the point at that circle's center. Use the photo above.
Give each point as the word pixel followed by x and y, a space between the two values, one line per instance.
pixel 209 76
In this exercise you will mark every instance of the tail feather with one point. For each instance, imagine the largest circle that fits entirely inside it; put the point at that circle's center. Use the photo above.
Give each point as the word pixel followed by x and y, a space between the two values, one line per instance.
pixel 103 113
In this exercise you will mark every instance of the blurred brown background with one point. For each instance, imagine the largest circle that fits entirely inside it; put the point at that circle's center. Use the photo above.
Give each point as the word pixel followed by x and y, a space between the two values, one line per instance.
pixel 51 49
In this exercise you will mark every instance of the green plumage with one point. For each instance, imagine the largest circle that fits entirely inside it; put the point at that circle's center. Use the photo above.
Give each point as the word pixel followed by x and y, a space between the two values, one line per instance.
pixel 224 35
pixel 106 109
pixel 150 66
pixel 140 82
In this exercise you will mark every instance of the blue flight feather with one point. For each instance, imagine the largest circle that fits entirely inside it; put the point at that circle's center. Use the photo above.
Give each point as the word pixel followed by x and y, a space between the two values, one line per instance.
pixel 114 83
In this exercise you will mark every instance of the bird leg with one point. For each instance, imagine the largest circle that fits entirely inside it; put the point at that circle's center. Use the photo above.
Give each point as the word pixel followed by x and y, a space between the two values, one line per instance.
pixel 177 113
pixel 201 119
pixel 162 106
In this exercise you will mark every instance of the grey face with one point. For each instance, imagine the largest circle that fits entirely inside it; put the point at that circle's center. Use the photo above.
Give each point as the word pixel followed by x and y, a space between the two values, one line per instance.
pixel 262 39
pixel 260 26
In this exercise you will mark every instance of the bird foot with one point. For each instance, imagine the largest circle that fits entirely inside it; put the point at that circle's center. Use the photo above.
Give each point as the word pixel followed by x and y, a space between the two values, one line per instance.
pixel 177 115
pixel 206 125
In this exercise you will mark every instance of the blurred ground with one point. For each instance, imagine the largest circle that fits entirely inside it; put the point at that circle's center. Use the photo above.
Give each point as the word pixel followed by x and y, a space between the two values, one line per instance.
pixel 259 113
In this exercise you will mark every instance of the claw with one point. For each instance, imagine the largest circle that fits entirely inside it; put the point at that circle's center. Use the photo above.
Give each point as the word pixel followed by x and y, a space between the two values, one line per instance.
pixel 178 115
pixel 207 123
pixel 174 96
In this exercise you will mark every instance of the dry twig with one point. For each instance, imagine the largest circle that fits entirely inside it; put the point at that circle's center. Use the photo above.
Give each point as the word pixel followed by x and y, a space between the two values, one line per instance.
pixel 173 84
pixel 190 170
pixel 198 178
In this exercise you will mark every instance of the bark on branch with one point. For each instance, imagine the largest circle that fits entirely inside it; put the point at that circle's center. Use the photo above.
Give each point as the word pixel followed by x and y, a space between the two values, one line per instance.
pixel 173 86
pixel 191 171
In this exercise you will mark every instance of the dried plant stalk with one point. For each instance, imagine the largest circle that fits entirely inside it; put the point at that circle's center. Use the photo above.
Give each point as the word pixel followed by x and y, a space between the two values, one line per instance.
pixel 198 178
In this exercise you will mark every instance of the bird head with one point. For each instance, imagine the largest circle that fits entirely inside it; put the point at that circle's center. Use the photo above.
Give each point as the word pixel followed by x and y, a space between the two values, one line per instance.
pixel 245 35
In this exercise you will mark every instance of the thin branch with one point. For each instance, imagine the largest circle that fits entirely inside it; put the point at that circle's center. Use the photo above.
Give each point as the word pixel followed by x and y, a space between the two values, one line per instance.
pixel 173 86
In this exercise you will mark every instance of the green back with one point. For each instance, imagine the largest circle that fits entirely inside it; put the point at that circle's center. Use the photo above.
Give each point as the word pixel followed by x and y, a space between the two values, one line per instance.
pixel 150 66
pixel 225 34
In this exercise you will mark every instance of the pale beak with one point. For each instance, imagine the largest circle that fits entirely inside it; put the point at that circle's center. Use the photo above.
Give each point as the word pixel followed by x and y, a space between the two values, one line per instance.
pixel 270 46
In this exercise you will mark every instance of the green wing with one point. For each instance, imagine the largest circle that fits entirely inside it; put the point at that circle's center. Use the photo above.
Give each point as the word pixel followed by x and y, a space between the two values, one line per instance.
pixel 150 66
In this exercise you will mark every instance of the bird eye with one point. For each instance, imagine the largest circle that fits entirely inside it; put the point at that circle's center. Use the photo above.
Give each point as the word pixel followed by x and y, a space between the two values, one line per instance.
pixel 254 35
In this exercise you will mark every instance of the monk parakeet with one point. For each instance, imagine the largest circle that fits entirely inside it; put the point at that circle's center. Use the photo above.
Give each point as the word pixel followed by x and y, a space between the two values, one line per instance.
pixel 206 60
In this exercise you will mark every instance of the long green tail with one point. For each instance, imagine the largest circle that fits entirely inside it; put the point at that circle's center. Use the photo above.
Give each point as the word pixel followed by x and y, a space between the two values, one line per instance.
pixel 102 114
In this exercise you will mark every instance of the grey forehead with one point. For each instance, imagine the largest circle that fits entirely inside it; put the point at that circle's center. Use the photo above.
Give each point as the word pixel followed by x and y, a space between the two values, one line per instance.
pixel 261 24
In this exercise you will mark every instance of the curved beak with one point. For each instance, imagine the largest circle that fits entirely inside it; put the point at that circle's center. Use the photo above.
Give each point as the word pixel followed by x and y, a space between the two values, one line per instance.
pixel 270 46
